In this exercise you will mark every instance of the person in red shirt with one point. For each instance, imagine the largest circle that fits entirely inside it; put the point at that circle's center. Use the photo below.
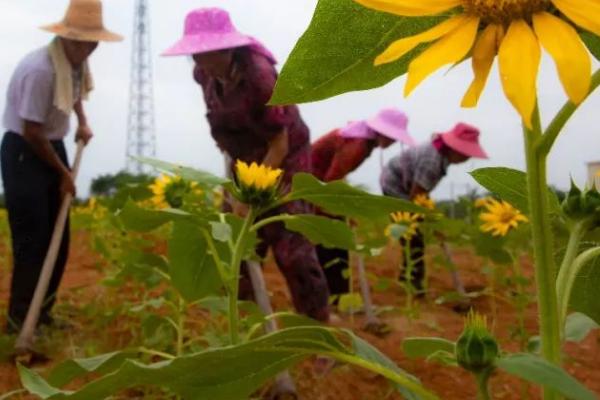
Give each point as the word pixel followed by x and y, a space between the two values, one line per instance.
pixel 342 151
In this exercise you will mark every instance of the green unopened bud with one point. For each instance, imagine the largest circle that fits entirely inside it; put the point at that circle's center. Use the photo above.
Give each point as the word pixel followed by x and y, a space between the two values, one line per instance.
pixel 580 205
pixel 476 348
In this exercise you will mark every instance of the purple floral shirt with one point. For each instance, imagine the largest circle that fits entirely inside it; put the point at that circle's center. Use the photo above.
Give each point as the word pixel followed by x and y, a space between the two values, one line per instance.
pixel 241 122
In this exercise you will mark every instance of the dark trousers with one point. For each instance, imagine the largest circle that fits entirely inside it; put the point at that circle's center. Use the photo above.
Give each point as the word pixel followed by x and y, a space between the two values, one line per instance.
pixel 335 262
pixel 414 255
pixel 33 200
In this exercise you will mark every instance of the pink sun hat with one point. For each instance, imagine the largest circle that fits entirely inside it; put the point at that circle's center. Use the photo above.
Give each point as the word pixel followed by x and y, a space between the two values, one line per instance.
pixel 464 138
pixel 357 130
pixel 392 123
pixel 211 29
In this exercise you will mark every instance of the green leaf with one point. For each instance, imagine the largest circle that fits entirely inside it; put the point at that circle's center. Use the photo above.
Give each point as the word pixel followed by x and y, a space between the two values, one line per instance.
pixel 191 174
pixel 511 185
pixel 192 267
pixel 339 198
pixel 536 370
pixel 423 347
pixel 142 220
pixel 322 230
pixel 592 42
pixel 578 326
pixel 350 302
pixel 235 372
pixel 337 52
pixel 221 231
pixel 72 369
pixel 584 294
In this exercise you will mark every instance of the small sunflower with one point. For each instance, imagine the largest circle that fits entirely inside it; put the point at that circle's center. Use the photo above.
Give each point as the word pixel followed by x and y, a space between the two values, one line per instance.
pixel 169 191
pixel 511 29
pixel 500 217
pixel 409 221
pixel 424 201
pixel 257 184
pixel 482 202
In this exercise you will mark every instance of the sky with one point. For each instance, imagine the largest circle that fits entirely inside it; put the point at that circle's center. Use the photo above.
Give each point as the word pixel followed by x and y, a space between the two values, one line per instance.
pixel 183 133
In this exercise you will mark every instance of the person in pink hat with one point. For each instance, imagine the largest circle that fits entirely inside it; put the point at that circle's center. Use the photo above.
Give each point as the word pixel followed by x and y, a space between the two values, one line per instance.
pixel 418 170
pixel 237 76
pixel 342 151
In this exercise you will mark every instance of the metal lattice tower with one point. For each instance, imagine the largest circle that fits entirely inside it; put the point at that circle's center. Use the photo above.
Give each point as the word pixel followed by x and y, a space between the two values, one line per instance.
pixel 141 139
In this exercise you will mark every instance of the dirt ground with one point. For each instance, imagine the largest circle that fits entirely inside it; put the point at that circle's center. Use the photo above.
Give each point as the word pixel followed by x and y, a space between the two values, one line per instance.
pixel 81 288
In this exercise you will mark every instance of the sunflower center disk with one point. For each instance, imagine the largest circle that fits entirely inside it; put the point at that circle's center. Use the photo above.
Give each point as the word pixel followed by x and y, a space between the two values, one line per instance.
pixel 504 11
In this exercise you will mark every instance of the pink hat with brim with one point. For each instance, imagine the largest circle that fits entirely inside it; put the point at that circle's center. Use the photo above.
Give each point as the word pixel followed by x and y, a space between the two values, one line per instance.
pixel 207 30
pixel 392 123
pixel 464 139
pixel 357 130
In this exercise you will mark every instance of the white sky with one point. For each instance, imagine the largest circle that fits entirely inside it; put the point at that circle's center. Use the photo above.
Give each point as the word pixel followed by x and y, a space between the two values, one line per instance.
pixel 182 131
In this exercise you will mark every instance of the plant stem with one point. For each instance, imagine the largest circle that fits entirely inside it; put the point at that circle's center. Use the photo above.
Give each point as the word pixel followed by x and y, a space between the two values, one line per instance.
pixel 233 285
pixel 577 233
pixel 483 391
pixel 267 221
pixel 180 326
pixel 543 247
pixel 567 279
pixel 561 119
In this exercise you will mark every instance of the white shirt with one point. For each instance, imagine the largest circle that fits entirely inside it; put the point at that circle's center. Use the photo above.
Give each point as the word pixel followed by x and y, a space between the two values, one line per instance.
pixel 30 96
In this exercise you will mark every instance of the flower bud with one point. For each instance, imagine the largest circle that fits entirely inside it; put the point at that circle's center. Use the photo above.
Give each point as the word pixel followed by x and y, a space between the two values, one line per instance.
pixel 579 205
pixel 476 348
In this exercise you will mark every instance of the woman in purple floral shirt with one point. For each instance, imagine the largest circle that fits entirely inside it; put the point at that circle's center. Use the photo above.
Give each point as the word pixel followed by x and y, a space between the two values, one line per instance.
pixel 237 76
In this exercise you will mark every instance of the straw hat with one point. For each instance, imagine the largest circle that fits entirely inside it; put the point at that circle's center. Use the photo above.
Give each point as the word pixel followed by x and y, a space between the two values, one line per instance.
pixel 83 22
pixel 464 138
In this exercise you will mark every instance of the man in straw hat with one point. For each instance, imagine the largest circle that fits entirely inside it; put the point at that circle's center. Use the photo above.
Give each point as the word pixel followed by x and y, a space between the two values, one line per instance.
pixel 416 172
pixel 46 87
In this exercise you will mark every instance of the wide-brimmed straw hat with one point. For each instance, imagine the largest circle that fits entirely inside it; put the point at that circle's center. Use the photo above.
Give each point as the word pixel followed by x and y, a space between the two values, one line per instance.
pixel 464 139
pixel 392 123
pixel 83 21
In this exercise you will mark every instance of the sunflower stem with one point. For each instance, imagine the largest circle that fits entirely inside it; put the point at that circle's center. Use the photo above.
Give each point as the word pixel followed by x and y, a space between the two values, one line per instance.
pixel 234 288
pixel 558 123
pixel 545 274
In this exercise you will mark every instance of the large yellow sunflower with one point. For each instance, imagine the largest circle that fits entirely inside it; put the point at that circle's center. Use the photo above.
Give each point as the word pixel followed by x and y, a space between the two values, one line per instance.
pixel 511 29
pixel 500 217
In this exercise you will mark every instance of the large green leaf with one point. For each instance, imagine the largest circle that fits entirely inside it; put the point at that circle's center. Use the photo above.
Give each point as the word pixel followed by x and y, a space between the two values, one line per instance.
pixel 235 372
pixel 192 267
pixel 322 230
pixel 191 174
pixel 71 369
pixel 578 326
pixel 339 198
pixel 584 294
pixel 337 52
pixel 142 220
pixel 510 185
pixel 536 370
pixel 424 347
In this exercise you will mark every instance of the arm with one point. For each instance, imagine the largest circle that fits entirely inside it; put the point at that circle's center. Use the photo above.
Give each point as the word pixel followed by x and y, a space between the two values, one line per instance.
pixel 34 134
pixel 347 158
pixel 83 130
pixel 278 150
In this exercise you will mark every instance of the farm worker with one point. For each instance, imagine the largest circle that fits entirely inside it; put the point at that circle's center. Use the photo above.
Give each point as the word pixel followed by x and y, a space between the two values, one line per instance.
pixel 340 152
pixel 418 170
pixel 46 87
pixel 237 76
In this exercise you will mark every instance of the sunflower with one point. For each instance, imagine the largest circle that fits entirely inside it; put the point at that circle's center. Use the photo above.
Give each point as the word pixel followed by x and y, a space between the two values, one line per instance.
pixel 511 29
pixel 257 184
pixel 169 191
pixel 424 201
pixel 500 217
pixel 482 202
pixel 409 221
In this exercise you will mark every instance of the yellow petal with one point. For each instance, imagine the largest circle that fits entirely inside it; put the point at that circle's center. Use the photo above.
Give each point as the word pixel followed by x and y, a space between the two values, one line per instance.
pixel 450 49
pixel 572 60
pixel 519 58
pixel 484 52
pixel 585 13
pixel 411 8
pixel 401 47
